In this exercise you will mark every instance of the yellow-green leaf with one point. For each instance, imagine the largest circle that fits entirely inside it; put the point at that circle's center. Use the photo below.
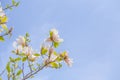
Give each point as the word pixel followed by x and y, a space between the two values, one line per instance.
pixel 37 54
pixel 56 44
pixel 8 67
pixel 1 39
pixel 18 59
pixel 4 26
pixel 54 65
pixel 3 19
pixel 44 51
pixel 24 59
pixel 19 72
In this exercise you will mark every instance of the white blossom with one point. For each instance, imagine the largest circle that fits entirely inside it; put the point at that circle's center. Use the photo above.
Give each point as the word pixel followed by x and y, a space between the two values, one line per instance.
pixel 28 51
pixel 69 61
pixel 54 36
pixel 20 41
pixel 32 58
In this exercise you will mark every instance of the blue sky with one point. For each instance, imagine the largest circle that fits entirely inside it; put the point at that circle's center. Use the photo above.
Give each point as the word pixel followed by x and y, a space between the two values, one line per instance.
pixel 90 29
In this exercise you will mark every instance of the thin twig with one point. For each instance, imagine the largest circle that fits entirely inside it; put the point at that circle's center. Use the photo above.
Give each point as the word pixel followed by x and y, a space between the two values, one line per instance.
pixel 29 66
pixel 23 69
pixel 38 69
pixel 9 7
pixel 2 72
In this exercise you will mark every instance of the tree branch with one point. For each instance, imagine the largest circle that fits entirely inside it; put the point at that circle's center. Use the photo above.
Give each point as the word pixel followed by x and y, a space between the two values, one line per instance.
pixel 9 7
pixel 35 72
pixel 2 72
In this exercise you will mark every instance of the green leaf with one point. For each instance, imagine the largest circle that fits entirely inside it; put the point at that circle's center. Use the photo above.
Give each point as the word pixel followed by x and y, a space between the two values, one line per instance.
pixel 56 44
pixel 12 59
pixel 51 33
pixel 4 26
pixel 18 59
pixel 17 4
pixel 8 67
pixel 3 19
pixel 19 72
pixel 24 59
pixel 13 2
pixel 27 35
pixel 37 54
pixel 44 51
pixel 7 6
pixel 54 65
pixel 59 59
pixel 2 39
pixel 0 78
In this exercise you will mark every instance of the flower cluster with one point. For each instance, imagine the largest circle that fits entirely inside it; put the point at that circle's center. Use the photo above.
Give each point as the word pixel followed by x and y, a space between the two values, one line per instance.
pixel 47 49
pixel 47 54
pixel 3 29
pixel 22 48
pixel 54 37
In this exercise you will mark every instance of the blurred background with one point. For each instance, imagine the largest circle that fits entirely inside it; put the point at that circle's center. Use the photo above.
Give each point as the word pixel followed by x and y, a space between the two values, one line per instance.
pixel 90 29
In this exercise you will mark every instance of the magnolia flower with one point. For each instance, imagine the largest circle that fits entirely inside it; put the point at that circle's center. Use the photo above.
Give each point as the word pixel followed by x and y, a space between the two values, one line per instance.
pixel 20 41
pixel 18 48
pixel 54 36
pixel 19 44
pixel 28 51
pixel 69 61
pixel 32 58
pixel 54 31
pixel 66 58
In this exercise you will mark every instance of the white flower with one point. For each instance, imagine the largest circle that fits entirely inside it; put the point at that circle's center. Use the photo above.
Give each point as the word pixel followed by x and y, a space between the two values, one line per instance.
pixel 32 58
pixel 66 58
pixel 18 48
pixel 69 61
pixel 19 44
pixel 21 41
pixel 28 51
pixel 54 36
pixel 54 31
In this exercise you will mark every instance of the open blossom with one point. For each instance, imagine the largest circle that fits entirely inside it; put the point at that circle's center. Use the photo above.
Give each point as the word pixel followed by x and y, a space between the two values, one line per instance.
pixel 32 58
pixel 18 48
pixel 54 36
pixel 18 44
pixel 28 51
pixel 66 58
pixel 21 41
pixel 69 61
